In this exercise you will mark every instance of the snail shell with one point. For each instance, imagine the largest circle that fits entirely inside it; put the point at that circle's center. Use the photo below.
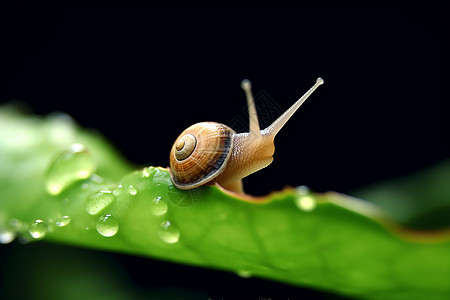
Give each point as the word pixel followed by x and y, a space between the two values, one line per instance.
pixel 200 154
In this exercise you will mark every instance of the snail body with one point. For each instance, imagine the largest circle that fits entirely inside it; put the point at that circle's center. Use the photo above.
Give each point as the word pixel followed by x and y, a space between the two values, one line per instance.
pixel 209 152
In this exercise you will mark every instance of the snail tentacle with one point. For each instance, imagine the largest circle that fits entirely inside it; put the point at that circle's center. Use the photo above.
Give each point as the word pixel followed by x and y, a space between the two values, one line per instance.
pixel 276 126
pixel 252 114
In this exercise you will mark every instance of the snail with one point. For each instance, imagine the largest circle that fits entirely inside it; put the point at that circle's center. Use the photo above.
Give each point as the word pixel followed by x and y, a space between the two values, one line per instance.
pixel 208 153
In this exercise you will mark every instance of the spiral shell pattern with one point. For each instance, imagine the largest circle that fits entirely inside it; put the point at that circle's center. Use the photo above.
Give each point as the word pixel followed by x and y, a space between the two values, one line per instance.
pixel 200 154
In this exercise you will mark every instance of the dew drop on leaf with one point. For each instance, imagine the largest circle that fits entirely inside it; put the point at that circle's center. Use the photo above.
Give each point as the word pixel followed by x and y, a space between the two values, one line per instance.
pixel 158 206
pixel 305 201
pixel 168 232
pixel 6 236
pixel 99 201
pixel 60 128
pixel 107 225
pixel 146 172
pixel 119 190
pixel 244 273
pixel 63 221
pixel 302 190
pixel 38 229
pixel 72 165
pixel 132 190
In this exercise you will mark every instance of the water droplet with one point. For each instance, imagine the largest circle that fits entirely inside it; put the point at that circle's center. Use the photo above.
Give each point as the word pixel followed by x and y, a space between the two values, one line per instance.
pixel 107 225
pixel 63 221
pixel 72 165
pixel 99 201
pixel 118 190
pixel 38 229
pixel 305 201
pixel 6 236
pixel 158 206
pixel 97 179
pixel 146 172
pixel 60 128
pixel 244 273
pixel 161 177
pixel 132 190
pixel 168 232
pixel 302 190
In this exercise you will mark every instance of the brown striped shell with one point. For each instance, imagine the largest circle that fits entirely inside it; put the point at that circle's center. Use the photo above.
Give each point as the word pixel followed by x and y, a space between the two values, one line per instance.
pixel 200 154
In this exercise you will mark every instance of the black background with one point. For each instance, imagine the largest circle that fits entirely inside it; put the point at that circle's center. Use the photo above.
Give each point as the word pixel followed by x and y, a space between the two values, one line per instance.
pixel 141 75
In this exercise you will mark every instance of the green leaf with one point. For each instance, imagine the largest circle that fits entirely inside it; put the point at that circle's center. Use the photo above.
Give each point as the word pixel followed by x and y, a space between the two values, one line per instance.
pixel 419 200
pixel 326 241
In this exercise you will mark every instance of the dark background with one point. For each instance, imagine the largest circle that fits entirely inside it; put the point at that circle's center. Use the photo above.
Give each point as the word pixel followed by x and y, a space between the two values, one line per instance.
pixel 140 76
